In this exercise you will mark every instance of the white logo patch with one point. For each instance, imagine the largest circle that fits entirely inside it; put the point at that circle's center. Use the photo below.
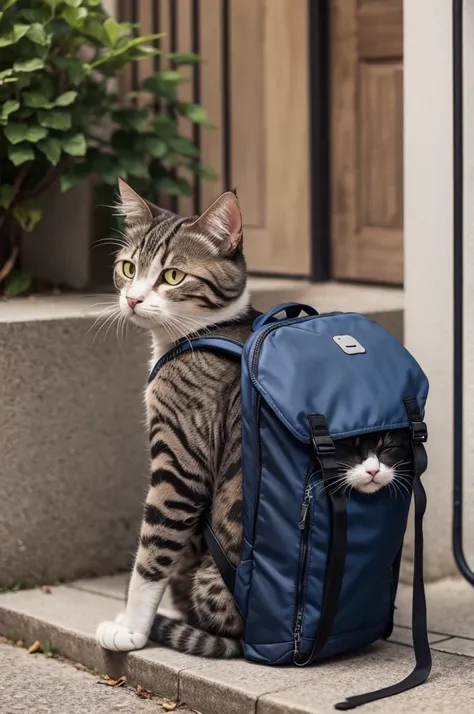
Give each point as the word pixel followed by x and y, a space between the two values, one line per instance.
pixel 349 344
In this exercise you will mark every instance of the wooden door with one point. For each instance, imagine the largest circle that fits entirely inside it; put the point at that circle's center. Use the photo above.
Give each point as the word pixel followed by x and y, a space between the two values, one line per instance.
pixel 254 85
pixel 366 47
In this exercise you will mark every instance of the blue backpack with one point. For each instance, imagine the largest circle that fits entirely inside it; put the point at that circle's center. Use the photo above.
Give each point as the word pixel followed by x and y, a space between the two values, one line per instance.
pixel 319 571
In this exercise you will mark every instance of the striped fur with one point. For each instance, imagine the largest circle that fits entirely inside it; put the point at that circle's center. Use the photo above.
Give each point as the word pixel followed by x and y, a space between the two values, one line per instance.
pixel 193 411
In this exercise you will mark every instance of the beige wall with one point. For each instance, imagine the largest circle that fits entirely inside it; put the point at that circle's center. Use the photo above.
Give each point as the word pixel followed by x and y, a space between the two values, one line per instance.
pixel 428 248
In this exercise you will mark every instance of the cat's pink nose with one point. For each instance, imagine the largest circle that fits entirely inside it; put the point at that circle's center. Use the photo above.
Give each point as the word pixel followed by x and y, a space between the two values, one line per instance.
pixel 132 303
pixel 372 471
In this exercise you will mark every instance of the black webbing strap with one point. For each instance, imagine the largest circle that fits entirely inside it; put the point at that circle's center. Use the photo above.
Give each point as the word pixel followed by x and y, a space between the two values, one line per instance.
pixel 421 646
pixel 325 454
pixel 225 567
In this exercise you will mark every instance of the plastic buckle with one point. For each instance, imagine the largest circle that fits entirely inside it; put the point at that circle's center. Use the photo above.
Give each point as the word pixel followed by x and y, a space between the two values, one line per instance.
pixel 323 445
pixel 419 432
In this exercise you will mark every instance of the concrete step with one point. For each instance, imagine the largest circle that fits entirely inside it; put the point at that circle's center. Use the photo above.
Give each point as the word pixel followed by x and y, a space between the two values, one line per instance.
pixel 67 618
pixel 74 450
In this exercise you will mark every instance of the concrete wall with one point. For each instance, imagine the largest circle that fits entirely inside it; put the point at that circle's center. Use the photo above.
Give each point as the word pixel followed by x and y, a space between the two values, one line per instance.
pixel 428 250
pixel 73 452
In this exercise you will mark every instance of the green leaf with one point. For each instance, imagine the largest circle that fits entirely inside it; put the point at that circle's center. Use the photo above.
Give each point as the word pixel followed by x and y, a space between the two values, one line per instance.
pixel 135 118
pixel 112 31
pixel 15 34
pixel 55 120
pixel 74 145
pixel 164 90
pixel 64 100
pixel 97 31
pixel 205 171
pixel 75 16
pixel 6 73
pixel 8 3
pixel 123 49
pixel 27 216
pixel 154 146
pixel 37 34
pixel 20 154
pixel 37 100
pixel 173 76
pixel 10 106
pixel 31 65
pixel 6 195
pixel 35 133
pixel 73 3
pixel 183 146
pixel 15 132
pixel 177 187
pixel 134 164
pixel 165 127
pixel 74 68
pixel 195 113
pixel 182 58
pixel 16 283
pixel 72 177
pixel 51 148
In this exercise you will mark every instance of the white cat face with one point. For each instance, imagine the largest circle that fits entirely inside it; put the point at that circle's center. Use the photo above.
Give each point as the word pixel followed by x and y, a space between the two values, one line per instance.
pixel 372 461
pixel 370 475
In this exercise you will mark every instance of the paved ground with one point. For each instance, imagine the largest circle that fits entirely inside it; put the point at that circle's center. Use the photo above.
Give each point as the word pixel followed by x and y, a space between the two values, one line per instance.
pixel 66 617
pixel 34 684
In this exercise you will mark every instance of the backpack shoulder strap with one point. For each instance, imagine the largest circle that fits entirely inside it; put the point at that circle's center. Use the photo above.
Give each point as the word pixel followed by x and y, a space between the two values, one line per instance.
pixel 226 346
pixel 421 645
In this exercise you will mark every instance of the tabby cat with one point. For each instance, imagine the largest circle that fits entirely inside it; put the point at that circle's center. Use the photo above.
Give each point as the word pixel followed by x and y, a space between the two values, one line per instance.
pixel 178 276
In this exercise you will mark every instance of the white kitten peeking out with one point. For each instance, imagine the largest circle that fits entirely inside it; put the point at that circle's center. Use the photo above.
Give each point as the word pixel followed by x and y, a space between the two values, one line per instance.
pixel 372 461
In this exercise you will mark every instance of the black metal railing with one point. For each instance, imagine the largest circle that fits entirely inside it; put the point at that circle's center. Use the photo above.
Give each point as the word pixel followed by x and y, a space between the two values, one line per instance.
pixel 458 276
pixel 224 120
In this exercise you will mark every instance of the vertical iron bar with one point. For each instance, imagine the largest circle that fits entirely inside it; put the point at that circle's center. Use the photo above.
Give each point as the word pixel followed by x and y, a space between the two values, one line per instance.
pixel 155 9
pixel 318 44
pixel 196 48
pixel 173 5
pixel 226 95
pixel 134 18
pixel 458 276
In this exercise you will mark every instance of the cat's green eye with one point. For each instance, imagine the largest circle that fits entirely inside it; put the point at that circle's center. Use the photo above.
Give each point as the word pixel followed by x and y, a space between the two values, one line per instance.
pixel 173 276
pixel 128 269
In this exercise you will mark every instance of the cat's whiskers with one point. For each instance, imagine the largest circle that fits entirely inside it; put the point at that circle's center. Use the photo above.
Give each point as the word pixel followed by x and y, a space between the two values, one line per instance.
pixel 108 321
pixel 105 313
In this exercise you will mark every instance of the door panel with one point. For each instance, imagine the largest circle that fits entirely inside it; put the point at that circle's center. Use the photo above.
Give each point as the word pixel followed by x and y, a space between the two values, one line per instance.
pixel 367 140
pixel 267 139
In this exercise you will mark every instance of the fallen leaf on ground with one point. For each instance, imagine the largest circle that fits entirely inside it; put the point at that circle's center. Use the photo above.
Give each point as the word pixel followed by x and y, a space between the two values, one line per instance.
pixel 114 682
pixel 35 647
pixel 169 706
pixel 80 667
pixel 20 643
pixel 142 693
pixel 46 589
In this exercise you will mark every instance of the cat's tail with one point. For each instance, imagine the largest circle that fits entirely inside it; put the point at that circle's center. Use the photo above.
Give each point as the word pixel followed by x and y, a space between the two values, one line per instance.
pixel 189 640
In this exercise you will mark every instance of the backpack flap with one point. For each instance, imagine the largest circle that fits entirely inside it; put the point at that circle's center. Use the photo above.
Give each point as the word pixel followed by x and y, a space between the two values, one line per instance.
pixel 344 366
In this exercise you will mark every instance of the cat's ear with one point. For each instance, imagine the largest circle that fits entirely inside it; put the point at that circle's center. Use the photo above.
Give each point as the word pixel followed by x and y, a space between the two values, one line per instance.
pixel 223 222
pixel 137 209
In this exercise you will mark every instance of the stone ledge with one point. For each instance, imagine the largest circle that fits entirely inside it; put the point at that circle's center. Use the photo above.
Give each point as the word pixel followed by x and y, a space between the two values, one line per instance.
pixel 68 616
pixel 266 293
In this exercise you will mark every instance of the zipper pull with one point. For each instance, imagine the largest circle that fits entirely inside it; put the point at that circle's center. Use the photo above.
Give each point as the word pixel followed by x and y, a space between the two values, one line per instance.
pixel 304 508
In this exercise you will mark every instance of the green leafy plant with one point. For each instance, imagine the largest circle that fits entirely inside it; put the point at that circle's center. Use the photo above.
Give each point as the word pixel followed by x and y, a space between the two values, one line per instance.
pixel 59 118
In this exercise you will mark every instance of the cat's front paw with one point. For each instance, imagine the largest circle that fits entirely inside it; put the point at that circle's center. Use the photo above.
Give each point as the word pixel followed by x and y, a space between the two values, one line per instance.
pixel 114 636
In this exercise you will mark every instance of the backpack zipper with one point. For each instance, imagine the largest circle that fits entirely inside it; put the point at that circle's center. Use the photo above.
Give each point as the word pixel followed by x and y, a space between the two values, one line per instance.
pixel 303 525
